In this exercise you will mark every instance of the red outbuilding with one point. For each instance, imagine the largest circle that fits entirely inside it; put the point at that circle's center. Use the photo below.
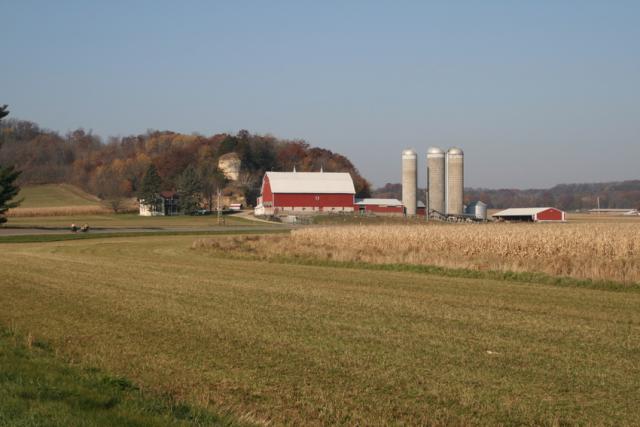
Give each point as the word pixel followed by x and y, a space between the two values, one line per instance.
pixel 379 206
pixel 385 207
pixel 530 214
pixel 305 192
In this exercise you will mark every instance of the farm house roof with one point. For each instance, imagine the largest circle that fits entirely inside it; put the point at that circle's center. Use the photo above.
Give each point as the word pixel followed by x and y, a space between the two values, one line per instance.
pixel 311 182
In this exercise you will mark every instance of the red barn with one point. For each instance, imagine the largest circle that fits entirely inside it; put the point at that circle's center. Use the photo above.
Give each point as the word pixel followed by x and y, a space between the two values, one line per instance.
pixel 305 192
pixel 531 214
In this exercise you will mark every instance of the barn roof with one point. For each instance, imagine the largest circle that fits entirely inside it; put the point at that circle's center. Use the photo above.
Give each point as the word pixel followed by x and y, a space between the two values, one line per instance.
pixel 311 182
pixel 521 211
pixel 382 202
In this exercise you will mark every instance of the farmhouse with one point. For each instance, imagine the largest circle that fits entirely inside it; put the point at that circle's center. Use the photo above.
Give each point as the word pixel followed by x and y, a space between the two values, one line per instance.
pixel 530 214
pixel 166 204
pixel 305 192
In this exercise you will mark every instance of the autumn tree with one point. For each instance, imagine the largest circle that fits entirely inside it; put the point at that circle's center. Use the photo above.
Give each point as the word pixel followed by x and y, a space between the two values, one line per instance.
pixel 150 187
pixel 110 187
pixel 212 180
pixel 8 187
pixel 189 189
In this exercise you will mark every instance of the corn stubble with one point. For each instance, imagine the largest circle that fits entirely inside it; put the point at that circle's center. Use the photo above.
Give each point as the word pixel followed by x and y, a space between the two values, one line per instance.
pixel 583 251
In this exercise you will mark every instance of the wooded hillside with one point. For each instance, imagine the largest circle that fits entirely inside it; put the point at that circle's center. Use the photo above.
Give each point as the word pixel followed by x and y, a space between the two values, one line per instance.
pixel 116 166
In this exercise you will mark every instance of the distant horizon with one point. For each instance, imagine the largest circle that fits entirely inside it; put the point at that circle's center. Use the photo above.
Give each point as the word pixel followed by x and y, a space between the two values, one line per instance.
pixel 535 93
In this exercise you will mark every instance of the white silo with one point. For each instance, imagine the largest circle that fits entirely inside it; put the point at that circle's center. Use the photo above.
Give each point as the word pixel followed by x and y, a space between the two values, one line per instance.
pixel 409 181
pixel 455 181
pixel 436 179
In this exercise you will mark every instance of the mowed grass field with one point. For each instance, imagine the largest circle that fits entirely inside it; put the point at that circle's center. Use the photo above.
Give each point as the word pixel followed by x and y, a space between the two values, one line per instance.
pixel 313 345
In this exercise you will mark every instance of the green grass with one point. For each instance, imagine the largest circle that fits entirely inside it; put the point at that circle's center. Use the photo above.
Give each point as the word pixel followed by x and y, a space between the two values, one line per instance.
pixel 55 195
pixel 302 344
pixel 127 221
pixel 38 389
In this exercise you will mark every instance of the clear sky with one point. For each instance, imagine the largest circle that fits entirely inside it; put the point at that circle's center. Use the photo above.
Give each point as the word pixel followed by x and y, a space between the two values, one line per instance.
pixel 536 92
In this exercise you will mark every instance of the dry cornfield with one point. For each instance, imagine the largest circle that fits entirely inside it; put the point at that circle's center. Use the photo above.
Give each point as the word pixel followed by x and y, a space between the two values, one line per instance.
pixel 57 211
pixel 61 211
pixel 583 251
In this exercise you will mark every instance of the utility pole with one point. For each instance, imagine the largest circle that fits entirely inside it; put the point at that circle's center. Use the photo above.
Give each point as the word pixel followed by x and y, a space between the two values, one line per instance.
pixel 218 206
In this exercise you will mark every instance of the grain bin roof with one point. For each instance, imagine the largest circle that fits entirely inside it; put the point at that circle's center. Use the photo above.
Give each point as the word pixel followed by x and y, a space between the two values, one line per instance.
pixel 520 211
pixel 311 182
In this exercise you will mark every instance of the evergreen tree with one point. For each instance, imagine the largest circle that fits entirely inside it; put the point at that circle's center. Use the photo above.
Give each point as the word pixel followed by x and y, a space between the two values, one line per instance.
pixel 189 190
pixel 150 187
pixel 8 177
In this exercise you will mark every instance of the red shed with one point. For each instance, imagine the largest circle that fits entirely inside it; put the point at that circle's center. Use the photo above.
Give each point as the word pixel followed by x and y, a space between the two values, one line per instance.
pixel 305 192
pixel 531 214
pixel 380 206
pixel 385 207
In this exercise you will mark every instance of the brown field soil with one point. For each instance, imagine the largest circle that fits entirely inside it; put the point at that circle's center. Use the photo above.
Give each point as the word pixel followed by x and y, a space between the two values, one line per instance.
pixel 596 251
pixel 312 345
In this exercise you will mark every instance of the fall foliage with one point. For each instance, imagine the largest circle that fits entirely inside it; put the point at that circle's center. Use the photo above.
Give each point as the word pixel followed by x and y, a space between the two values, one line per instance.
pixel 114 168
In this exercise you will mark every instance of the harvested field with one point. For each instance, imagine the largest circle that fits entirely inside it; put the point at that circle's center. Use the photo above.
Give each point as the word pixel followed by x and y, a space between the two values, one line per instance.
pixel 50 200
pixel 304 345
pixel 584 251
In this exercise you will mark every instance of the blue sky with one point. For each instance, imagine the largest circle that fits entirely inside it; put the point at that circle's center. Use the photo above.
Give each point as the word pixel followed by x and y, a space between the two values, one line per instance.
pixel 536 93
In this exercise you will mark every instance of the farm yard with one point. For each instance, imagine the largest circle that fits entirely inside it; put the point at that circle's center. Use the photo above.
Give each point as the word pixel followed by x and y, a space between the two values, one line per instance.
pixel 283 343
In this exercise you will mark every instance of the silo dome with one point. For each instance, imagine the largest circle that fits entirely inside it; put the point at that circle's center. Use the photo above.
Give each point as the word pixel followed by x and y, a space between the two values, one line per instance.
pixel 455 150
pixel 408 153
pixel 435 150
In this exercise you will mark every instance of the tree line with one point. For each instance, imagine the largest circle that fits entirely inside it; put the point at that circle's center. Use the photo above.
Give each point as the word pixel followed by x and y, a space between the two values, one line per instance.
pixel 612 195
pixel 8 177
pixel 113 169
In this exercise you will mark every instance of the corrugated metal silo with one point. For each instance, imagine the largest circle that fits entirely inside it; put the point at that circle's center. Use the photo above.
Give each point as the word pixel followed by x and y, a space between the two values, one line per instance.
pixel 409 181
pixel 455 181
pixel 436 179
pixel 478 210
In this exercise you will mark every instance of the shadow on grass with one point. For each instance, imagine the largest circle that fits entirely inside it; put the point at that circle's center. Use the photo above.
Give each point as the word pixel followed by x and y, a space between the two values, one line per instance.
pixel 38 389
